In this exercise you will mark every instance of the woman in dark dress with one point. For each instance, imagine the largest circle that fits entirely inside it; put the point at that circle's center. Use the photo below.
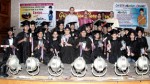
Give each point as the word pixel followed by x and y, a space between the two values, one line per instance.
pixel 85 42
pixel 23 42
pixel 41 48
pixel 67 47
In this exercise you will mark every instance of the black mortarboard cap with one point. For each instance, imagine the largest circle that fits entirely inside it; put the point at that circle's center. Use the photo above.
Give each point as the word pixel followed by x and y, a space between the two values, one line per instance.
pixel 33 22
pixel 45 23
pixel 114 31
pixel 99 22
pixel 24 23
pixel 132 31
pixel 72 23
pixel 40 29
pixel 96 31
pixel 138 28
pixel 108 24
pixel 82 27
pixel 11 29
pixel 60 22
pixel 127 29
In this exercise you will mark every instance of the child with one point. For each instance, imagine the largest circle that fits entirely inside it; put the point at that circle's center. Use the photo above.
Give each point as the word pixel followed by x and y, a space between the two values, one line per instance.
pixel 133 49
pixel 41 47
pixel 67 47
pixel 113 47
pixel 23 42
pixel 97 45
pixel 84 42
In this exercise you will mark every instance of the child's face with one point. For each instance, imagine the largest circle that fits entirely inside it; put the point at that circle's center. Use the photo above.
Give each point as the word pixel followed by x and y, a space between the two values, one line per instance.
pixel 10 33
pixel 32 27
pixel 114 35
pixel 40 34
pixel 61 26
pixel 97 36
pixel 67 31
pixel 72 26
pixel 132 35
pixel 83 33
pixel 26 27
pixel 55 35
pixel 141 12
pixel 140 33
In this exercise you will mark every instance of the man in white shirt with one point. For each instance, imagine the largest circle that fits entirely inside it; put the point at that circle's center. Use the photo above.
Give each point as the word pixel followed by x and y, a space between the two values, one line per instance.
pixel 113 20
pixel 71 18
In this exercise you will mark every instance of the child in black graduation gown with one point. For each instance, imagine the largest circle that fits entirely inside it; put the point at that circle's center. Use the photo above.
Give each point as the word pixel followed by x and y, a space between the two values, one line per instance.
pixel 98 45
pixel 142 41
pixel 54 42
pixel 41 48
pixel 133 48
pixel 85 42
pixel 113 47
pixel 67 47
pixel 11 50
pixel 23 42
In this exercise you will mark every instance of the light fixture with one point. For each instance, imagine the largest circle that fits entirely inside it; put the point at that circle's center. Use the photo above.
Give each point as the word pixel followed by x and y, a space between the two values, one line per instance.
pixel 32 66
pixel 78 67
pixel 55 66
pixel 122 66
pixel 99 67
pixel 142 65
pixel 13 64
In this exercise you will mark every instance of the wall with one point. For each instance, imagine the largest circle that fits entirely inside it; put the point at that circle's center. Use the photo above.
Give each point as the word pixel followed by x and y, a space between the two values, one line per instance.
pixel 65 4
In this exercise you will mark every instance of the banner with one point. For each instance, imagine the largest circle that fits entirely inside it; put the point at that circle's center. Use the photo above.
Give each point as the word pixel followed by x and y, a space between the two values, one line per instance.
pixel 38 12
pixel 131 15
pixel 61 14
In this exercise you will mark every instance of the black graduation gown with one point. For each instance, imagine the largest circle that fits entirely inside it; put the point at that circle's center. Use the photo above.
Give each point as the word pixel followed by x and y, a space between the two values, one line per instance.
pixel 47 36
pixel 8 51
pixel 86 54
pixel 134 48
pixel 55 44
pixel 115 51
pixel 142 42
pixel 68 52
pixel 24 47
pixel 37 52
pixel 74 34
pixel 97 51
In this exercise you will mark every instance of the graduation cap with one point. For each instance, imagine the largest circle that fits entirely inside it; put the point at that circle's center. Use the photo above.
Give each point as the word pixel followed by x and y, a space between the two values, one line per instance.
pixel 96 32
pixel 45 23
pixel 127 29
pixel 88 24
pixel 24 23
pixel 114 31
pixel 60 22
pixel 82 27
pixel 71 23
pixel 33 23
pixel 119 29
pixel 40 29
pixel 99 23
pixel 138 28
pixel 11 29
pixel 132 31
pixel 108 25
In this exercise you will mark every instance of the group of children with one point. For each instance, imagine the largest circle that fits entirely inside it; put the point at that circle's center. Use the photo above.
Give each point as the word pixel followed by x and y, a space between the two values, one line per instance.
pixel 87 41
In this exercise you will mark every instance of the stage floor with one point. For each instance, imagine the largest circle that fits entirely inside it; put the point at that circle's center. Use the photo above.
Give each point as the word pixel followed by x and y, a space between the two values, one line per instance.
pixel 67 75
